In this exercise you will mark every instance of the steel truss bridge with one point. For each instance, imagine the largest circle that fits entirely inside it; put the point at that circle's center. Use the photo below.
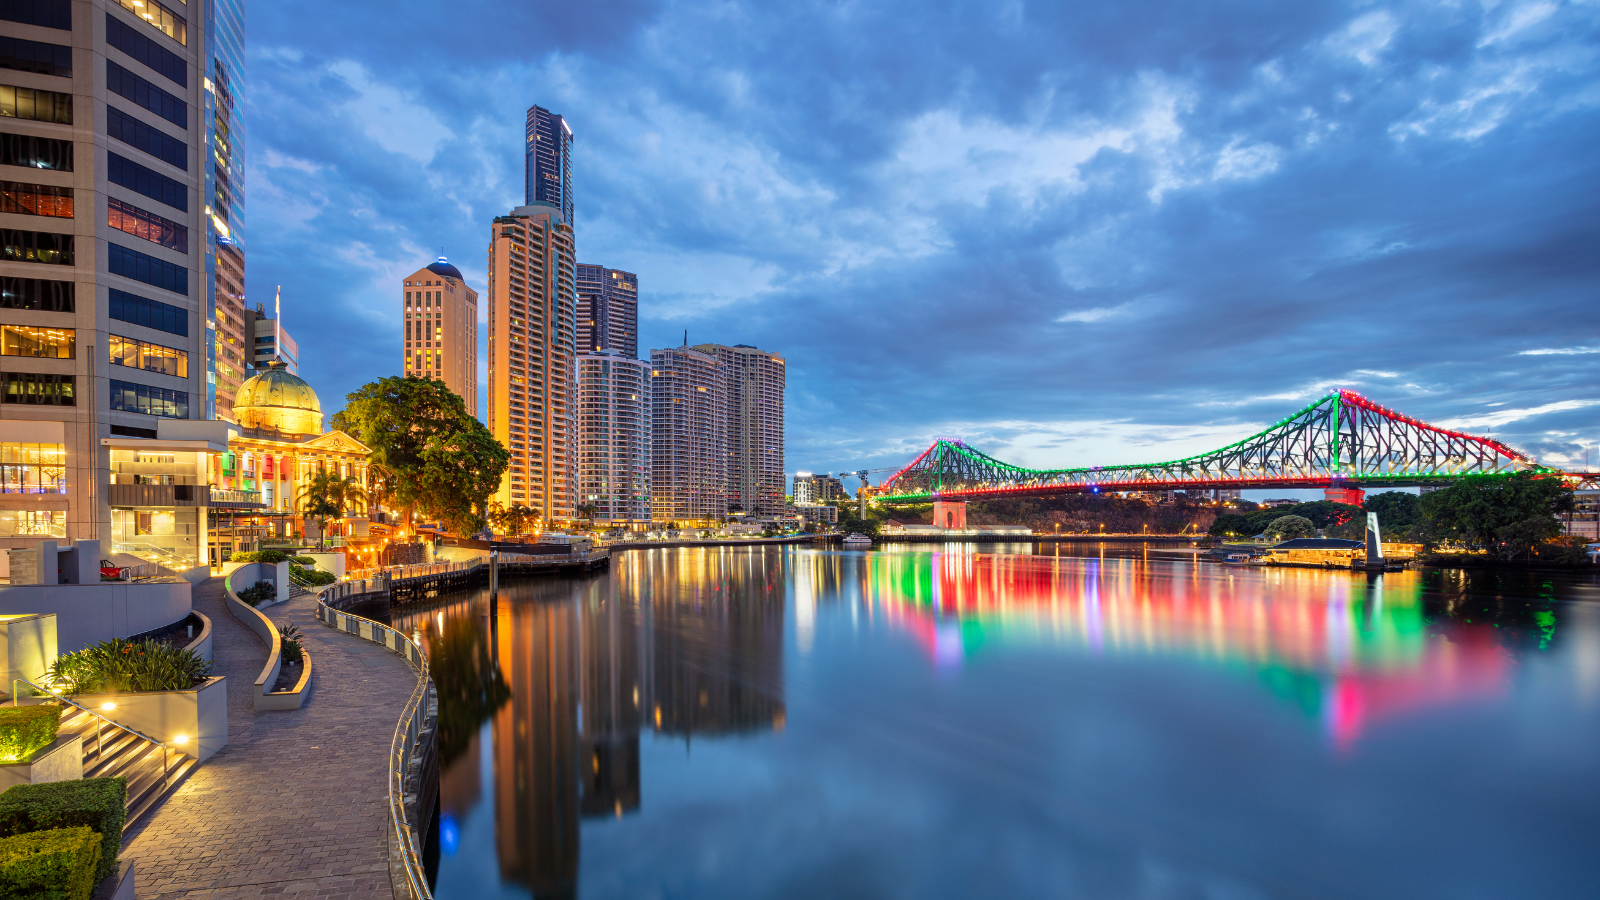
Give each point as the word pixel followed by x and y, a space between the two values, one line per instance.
pixel 1343 440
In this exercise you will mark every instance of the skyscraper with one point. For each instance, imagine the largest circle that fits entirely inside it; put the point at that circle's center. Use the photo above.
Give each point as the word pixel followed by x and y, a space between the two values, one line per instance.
pixel 756 381
pixel 688 436
pixel 272 340
pixel 104 294
pixel 608 310
pixel 532 344
pixel 548 160
pixel 614 436
pixel 230 344
pixel 441 337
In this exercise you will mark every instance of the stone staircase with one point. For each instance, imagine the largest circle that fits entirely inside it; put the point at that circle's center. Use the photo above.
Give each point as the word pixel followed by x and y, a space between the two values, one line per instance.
pixel 153 771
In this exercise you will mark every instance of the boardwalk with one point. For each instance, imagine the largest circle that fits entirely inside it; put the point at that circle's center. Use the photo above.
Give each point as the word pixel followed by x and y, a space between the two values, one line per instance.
pixel 295 805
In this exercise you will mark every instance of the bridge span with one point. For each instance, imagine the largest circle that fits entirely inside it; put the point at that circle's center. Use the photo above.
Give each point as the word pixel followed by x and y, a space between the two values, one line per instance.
pixel 1343 442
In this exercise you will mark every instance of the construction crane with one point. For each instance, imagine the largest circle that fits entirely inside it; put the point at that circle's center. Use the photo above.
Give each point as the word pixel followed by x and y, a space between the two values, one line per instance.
pixel 861 494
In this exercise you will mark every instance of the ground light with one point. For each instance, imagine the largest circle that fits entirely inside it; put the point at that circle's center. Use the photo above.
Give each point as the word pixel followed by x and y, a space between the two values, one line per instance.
pixel 108 706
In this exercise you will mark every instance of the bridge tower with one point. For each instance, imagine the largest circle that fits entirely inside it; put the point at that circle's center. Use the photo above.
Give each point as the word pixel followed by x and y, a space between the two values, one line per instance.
pixel 950 514
pixel 1350 495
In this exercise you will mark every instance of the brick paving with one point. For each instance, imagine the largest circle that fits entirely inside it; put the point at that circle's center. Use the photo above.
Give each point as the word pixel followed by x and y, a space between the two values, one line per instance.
pixel 296 803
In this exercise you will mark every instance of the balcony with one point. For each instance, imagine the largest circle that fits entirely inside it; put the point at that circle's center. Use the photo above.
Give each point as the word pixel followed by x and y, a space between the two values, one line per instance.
pixel 236 499
pixel 176 495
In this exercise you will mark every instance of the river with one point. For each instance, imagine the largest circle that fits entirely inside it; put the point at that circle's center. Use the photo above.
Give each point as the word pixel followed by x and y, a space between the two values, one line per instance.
pixel 1015 722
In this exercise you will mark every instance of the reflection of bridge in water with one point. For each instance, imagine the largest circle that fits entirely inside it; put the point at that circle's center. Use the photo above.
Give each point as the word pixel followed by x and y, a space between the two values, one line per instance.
pixel 1342 441
pixel 1347 650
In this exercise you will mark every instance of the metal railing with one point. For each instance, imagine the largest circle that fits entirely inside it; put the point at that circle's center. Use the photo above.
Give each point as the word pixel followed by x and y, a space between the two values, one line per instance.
pixel 406 846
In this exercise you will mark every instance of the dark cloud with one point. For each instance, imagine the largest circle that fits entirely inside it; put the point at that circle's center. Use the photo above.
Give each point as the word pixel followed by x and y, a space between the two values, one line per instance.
pixel 1105 222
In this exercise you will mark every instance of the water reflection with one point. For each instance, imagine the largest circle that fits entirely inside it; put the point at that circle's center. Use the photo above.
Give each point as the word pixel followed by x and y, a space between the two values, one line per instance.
pixel 565 703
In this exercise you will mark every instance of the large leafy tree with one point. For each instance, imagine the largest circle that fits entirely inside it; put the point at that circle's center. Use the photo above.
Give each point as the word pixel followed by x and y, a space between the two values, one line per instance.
pixel 1509 515
pixel 435 457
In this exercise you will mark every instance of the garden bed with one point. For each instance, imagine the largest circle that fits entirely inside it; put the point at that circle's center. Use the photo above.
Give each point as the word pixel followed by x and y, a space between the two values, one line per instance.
pixel 288 676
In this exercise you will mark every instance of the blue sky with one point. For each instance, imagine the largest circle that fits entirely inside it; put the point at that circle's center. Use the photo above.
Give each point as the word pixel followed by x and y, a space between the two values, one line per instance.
pixel 1070 233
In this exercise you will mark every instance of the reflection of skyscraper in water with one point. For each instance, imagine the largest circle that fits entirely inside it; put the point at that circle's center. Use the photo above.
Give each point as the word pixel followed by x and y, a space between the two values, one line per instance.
pixel 612 698
pixel 717 644
pixel 536 747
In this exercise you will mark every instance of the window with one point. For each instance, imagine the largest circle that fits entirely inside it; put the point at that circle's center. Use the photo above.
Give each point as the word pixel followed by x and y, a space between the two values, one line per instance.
pixel 44 13
pixel 36 293
pixel 152 184
pixel 34 388
pixel 35 152
pixel 35 199
pixel 141 267
pixel 129 40
pixel 33 468
pixel 150 357
pixel 126 307
pixel 150 401
pixel 129 85
pixel 153 141
pixel 131 219
pixel 40 106
pixel 170 23
pixel 40 343
pixel 33 522
pixel 33 56
pixel 36 246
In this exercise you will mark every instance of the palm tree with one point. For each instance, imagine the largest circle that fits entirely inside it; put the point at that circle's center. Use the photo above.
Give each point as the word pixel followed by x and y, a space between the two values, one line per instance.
pixel 586 512
pixel 347 494
pixel 316 501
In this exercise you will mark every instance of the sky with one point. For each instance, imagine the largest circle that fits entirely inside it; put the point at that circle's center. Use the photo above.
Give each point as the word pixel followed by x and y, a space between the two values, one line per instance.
pixel 1066 233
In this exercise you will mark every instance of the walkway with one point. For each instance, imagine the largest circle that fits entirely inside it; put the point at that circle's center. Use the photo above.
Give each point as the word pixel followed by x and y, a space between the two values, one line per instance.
pixel 296 803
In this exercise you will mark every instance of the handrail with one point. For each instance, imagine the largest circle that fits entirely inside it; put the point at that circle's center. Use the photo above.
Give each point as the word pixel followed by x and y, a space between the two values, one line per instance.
pixel 166 765
pixel 402 745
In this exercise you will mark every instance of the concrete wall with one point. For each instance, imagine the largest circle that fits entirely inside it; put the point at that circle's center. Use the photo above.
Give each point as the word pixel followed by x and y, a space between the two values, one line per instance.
pixel 329 562
pixel 244 575
pixel 198 715
pixel 27 648
pixel 89 613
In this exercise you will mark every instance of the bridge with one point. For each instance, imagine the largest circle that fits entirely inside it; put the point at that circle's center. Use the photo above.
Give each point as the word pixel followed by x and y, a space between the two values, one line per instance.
pixel 1342 442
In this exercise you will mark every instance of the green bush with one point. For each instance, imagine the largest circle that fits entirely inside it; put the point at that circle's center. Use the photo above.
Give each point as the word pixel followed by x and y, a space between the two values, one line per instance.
pixel 97 803
pixel 293 652
pixel 305 562
pixel 312 576
pixel 25 730
pixel 261 556
pixel 259 593
pixel 119 665
pixel 59 864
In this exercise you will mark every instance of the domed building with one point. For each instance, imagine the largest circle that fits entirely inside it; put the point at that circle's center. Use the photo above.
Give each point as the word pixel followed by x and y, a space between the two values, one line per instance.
pixel 278 400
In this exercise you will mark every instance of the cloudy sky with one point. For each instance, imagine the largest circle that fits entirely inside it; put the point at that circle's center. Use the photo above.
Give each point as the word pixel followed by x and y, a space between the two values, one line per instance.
pixel 1070 233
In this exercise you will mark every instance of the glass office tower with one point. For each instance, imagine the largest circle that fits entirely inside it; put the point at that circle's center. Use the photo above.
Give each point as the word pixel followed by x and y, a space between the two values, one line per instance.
pixel 549 161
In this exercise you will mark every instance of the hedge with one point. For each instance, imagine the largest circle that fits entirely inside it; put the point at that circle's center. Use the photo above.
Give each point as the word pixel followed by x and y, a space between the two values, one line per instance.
pixel 98 803
pixel 58 864
pixel 25 730
pixel 260 556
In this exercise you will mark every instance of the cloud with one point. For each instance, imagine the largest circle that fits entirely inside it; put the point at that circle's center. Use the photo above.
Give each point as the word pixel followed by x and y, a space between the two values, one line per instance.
pixel 1560 351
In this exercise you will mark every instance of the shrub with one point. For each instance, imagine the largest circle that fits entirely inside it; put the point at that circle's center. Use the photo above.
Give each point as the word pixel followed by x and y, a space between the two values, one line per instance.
pixel 259 593
pixel 304 561
pixel 293 652
pixel 261 556
pixel 59 864
pixel 1287 528
pixel 120 665
pixel 97 803
pixel 25 730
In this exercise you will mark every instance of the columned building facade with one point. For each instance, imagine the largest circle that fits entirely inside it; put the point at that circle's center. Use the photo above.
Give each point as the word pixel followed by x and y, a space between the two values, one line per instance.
pixel 614 437
pixel 688 436
pixel 756 380
pixel 532 348
pixel 441 337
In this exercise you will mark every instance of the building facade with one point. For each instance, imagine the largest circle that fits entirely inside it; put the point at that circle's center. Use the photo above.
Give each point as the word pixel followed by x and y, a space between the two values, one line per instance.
pixel 103 268
pixel 272 341
pixel 441 337
pixel 532 348
pixel 230 351
pixel 824 488
pixel 614 437
pixel 608 310
pixel 756 380
pixel 548 161
pixel 688 436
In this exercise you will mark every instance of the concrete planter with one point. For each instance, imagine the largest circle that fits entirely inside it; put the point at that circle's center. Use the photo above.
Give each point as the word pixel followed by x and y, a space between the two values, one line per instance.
pixel 264 697
pixel 199 714
pixel 61 761
pixel 201 645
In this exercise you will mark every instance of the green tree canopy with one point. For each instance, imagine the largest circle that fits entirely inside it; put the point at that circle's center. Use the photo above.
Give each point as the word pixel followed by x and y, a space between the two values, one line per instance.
pixel 437 457
pixel 1510 515
pixel 1287 528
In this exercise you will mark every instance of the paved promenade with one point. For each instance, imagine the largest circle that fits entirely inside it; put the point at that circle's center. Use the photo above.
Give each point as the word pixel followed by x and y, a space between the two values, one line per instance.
pixel 295 805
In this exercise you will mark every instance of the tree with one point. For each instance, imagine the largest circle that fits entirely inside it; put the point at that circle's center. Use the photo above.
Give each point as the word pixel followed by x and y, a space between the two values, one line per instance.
pixel 586 513
pixel 1509 515
pixel 1230 524
pixel 437 458
pixel 512 520
pixel 316 501
pixel 1397 511
pixel 1287 528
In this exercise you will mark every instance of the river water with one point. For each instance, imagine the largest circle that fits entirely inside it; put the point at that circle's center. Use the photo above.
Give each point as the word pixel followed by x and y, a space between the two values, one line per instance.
pixel 988 721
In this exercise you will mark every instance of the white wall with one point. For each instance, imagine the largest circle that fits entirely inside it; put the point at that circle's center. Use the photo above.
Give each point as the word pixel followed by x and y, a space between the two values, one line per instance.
pixel 89 613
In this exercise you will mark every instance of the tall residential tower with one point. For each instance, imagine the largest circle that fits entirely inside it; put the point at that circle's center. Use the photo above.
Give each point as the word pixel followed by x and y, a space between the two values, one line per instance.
pixel 614 437
pixel 608 310
pixel 688 436
pixel 441 338
pixel 548 161
pixel 755 387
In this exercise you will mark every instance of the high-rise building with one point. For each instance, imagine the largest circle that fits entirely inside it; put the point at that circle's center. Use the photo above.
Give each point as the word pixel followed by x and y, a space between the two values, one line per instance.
pixel 824 488
pixel 441 338
pixel 272 340
pixel 548 160
pixel 688 436
pixel 532 345
pixel 104 294
pixel 614 436
pixel 608 310
pixel 755 388
pixel 230 348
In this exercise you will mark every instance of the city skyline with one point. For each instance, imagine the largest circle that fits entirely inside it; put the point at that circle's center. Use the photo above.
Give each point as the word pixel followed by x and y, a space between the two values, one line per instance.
pixel 1134 236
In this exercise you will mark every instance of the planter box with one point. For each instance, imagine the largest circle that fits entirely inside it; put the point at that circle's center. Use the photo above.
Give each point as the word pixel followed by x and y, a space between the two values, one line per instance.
pixel 27 647
pixel 62 760
pixel 200 714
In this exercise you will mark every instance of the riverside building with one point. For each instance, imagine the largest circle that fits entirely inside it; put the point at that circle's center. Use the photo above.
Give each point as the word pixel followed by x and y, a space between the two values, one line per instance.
pixel 608 310
pixel 532 348
pixel 441 336
pixel 614 437
pixel 688 436
pixel 548 161
pixel 754 419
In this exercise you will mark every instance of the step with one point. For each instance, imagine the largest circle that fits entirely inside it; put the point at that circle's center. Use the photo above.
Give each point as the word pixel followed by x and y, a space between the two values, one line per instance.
pixel 180 772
